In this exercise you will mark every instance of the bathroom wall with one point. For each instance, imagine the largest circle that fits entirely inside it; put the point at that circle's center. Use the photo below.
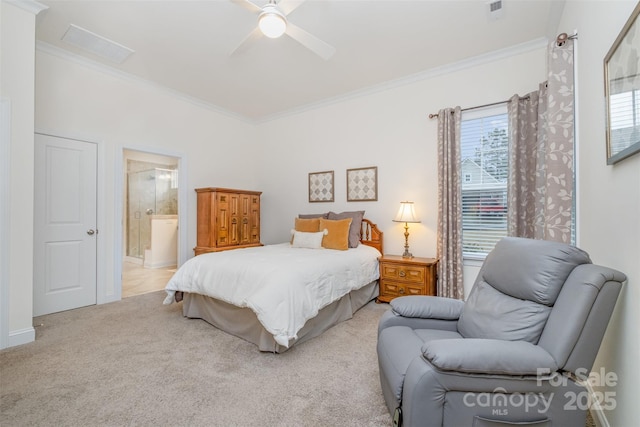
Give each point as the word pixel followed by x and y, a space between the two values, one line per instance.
pixel 163 248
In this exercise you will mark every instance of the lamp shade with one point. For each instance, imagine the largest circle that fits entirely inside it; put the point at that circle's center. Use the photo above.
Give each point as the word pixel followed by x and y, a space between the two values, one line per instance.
pixel 272 23
pixel 406 213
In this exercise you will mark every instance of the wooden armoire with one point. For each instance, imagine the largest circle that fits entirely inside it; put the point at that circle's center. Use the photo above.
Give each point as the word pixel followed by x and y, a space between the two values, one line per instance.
pixel 227 219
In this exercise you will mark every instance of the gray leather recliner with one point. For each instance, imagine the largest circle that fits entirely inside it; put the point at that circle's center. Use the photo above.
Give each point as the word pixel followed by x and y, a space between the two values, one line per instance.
pixel 515 353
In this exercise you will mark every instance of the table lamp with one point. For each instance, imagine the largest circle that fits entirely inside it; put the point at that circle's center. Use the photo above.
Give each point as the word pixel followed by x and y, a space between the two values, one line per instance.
pixel 406 214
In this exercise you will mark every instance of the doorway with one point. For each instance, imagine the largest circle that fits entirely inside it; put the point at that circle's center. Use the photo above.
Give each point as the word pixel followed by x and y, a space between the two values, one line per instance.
pixel 150 221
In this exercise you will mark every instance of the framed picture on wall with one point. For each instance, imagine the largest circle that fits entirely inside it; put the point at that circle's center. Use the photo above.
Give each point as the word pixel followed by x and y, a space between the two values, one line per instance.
pixel 321 186
pixel 622 92
pixel 362 184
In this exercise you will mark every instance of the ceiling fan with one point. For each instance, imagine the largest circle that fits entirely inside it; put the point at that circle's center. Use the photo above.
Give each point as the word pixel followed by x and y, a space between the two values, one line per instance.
pixel 272 22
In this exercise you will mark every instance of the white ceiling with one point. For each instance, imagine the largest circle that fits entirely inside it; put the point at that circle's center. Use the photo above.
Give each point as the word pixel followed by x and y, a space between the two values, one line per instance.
pixel 184 45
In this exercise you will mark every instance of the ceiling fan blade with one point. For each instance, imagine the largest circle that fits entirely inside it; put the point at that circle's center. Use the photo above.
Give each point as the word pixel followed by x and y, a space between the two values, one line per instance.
pixel 246 4
pixel 247 42
pixel 288 6
pixel 311 42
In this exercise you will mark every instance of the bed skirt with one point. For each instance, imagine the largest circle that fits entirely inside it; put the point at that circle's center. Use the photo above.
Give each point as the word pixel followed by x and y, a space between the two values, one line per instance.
pixel 243 323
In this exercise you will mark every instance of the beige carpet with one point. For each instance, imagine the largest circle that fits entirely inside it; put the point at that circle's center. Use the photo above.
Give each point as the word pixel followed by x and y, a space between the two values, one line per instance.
pixel 139 363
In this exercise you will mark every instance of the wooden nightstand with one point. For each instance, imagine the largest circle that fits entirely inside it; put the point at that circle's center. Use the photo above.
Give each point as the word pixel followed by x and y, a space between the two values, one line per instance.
pixel 406 276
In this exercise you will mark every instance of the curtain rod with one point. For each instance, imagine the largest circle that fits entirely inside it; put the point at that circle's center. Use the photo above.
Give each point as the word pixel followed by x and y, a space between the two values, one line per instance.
pixel 432 115
pixel 563 37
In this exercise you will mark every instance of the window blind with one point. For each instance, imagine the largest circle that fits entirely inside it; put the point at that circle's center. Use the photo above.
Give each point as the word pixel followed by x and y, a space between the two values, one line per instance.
pixel 484 173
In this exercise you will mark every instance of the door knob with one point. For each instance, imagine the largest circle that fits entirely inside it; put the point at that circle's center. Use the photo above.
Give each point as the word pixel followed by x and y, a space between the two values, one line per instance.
pixel 91 232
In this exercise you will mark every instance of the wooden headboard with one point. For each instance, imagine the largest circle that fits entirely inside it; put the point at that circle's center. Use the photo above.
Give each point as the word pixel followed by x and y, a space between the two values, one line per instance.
pixel 370 235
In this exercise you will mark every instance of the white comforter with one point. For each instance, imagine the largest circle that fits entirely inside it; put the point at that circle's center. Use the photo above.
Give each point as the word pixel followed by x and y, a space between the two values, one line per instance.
pixel 284 286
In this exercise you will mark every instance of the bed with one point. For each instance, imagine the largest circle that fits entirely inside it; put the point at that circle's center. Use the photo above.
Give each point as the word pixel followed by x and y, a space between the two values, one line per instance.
pixel 277 296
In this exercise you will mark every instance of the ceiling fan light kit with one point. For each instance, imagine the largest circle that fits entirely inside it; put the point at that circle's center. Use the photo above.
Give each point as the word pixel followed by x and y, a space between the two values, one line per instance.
pixel 272 22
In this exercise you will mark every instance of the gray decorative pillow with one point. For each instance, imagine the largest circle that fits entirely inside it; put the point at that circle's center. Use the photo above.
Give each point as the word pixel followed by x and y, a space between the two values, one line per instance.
pixel 311 216
pixel 356 225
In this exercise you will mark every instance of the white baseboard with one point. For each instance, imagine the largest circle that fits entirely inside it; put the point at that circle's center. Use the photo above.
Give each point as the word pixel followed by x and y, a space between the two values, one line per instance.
pixel 21 336
pixel 161 264
pixel 597 413
pixel 133 260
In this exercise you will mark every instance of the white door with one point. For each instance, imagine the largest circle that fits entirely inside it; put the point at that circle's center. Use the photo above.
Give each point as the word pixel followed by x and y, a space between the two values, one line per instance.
pixel 65 234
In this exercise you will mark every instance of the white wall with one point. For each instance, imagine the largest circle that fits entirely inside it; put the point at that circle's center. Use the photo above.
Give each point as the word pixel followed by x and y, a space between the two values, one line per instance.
pixel 17 75
pixel 388 129
pixel 75 98
pixel 609 200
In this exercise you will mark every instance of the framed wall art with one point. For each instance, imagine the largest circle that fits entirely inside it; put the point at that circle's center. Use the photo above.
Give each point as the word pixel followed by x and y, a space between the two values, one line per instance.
pixel 321 186
pixel 622 92
pixel 362 184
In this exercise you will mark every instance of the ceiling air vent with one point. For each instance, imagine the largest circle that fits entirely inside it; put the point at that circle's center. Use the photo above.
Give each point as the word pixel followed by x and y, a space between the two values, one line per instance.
pixel 495 9
pixel 96 44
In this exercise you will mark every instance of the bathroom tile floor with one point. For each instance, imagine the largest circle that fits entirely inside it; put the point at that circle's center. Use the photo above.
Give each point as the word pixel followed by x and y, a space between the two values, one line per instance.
pixel 137 280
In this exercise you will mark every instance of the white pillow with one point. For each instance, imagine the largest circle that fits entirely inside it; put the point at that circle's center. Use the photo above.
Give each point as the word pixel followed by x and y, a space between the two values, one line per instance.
pixel 303 239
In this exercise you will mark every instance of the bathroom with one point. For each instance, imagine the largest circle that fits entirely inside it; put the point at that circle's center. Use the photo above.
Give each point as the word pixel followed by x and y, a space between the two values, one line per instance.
pixel 151 222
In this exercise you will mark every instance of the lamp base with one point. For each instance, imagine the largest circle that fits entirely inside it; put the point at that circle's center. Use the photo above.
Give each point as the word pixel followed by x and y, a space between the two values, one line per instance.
pixel 406 253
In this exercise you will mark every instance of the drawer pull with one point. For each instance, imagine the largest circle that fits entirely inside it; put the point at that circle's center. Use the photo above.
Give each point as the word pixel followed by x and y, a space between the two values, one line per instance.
pixel 401 273
pixel 401 291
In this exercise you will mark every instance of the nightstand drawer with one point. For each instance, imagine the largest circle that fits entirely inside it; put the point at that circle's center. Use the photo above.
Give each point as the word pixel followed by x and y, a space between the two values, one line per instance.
pixel 414 274
pixel 396 289
pixel 406 276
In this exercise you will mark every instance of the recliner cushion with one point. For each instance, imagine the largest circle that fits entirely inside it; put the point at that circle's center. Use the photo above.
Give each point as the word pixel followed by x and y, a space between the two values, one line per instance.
pixel 488 313
pixel 532 270
pixel 428 335
pixel 516 287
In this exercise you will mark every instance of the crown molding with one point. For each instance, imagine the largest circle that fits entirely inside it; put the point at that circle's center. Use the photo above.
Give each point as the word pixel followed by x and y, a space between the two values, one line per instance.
pixel 475 61
pixel 100 67
pixel 28 5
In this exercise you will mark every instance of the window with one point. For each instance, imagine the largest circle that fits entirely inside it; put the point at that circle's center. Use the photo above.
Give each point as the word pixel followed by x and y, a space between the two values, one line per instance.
pixel 484 168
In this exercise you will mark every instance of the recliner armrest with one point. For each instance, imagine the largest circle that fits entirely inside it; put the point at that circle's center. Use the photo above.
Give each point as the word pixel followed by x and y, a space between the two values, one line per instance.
pixel 391 318
pixel 488 356
pixel 427 307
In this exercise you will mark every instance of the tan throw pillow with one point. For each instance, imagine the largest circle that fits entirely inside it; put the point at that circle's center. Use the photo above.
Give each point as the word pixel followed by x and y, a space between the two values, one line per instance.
pixel 356 225
pixel 338 233
pixel 310 225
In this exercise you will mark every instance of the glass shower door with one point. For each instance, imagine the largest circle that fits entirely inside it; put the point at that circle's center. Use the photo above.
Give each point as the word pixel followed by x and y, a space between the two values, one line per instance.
pixel 142 204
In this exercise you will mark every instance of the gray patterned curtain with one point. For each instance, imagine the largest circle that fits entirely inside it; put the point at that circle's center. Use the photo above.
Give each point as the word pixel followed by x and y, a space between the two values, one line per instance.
pixel 540 184
pixel 449 246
